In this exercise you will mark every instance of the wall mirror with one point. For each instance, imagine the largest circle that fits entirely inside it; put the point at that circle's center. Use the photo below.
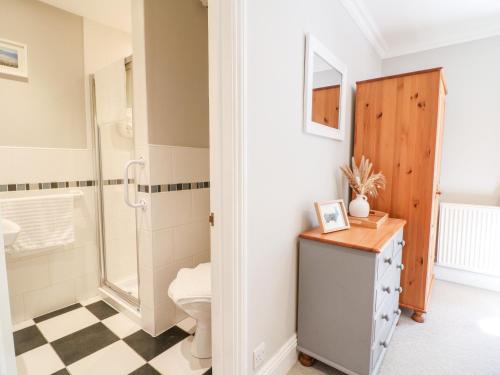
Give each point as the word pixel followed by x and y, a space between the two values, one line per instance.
pixel 324 91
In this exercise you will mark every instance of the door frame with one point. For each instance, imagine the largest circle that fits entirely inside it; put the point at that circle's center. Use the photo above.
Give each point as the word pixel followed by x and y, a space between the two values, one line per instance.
pixel 228 176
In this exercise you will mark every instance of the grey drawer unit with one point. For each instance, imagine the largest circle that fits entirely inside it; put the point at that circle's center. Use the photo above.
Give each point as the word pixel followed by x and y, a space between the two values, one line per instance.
pixel 349 285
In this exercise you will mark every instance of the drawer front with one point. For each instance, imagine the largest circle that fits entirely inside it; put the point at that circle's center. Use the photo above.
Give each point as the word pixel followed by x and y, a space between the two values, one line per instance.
pixel 398 242
pixel 381 343
pixel 384 317
pixel 384 289
pixel 384 259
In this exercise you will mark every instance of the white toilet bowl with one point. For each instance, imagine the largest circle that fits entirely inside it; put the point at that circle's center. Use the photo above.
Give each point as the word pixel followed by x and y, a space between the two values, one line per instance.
pixel 191 291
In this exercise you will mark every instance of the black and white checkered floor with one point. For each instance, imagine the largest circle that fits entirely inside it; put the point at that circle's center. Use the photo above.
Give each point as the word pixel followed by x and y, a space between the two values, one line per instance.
pixel 96 339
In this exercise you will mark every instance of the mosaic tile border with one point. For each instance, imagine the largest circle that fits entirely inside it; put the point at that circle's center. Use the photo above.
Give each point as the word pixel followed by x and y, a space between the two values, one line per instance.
pixel 45 185
pixel 118 181
pixel 173 187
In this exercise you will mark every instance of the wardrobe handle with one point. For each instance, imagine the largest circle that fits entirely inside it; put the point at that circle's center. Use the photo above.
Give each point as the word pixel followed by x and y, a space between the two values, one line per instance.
pixel 402 243
pixel 401 267
pixel 398 289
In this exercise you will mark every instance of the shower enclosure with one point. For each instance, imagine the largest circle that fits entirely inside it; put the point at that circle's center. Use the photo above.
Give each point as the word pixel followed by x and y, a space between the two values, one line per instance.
pixel 111 89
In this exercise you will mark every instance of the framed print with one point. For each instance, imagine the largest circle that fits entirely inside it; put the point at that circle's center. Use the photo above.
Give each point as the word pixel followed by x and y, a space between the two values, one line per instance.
pixel 13 59
pixel 332 215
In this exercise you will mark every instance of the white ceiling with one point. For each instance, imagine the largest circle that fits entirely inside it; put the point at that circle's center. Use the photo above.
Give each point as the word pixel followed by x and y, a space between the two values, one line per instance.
pixel 114 13
pixel 398 27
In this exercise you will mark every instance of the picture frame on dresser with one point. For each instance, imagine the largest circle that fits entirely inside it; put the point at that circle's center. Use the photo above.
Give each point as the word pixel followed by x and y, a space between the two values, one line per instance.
pixel 332 215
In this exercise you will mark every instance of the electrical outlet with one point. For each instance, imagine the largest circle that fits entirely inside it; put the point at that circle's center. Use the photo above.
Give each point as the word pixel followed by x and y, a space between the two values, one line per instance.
pixel 258 355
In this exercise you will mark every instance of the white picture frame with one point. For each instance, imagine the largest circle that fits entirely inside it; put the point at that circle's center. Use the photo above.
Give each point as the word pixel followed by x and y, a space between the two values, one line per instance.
pixel 332 216
pixel 13 59
pixel 315 47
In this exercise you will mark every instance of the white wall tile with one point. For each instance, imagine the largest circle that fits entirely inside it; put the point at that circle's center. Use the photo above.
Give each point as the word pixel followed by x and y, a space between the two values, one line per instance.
pixel 42 301
pixel 170 209
pixel 161 165
pixel 163 248
pixel 28 274
pixel 86 286
pixel 191 239
pixel 201 204
pixel 190 164
pixel 17 309
pixel 146 287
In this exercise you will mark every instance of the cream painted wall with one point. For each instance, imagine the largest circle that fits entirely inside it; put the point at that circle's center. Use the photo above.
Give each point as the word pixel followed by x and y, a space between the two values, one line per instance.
pixel 177 72
pixel 288 169
pixel 470 171
pixel 48 110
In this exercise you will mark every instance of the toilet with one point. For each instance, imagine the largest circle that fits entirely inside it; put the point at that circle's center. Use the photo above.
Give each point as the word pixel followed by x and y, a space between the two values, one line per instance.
pixel 191 291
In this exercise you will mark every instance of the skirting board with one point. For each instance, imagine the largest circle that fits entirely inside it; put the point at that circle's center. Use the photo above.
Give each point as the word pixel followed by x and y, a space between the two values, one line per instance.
pixel 467 278
pixel 283 360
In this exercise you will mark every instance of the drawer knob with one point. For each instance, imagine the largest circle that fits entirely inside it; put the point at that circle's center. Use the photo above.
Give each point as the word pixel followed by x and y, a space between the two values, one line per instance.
pixel 386 289
pixel 402 243
pixel 401 267
pixel 388 260
pixel 384 344
pixel 399 289
pixel 397 312
pixel 384 317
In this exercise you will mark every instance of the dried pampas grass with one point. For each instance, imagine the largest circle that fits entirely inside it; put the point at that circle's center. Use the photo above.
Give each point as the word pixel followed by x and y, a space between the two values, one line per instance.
pixel 361 179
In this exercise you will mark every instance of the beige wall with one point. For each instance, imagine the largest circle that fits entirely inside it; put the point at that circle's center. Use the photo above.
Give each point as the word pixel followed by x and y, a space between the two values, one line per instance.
pixel 48 110
pixel 469 167
pixel 177 72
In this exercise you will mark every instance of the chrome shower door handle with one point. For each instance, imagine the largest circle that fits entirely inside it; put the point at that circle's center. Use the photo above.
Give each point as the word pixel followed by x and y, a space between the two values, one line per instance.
pixel 142 202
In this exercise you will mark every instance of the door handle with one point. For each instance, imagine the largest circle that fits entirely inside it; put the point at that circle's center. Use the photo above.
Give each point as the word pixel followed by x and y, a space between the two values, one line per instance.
pixel 142 202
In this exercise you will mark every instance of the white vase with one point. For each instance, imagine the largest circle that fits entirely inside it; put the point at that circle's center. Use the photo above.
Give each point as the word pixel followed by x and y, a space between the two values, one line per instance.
pixel 359 207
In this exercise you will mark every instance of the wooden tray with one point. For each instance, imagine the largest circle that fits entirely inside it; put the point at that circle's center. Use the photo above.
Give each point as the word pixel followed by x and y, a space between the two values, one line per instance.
pixel 374 220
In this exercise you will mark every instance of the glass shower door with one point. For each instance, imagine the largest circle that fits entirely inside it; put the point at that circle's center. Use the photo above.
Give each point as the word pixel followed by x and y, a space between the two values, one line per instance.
pixel 115 146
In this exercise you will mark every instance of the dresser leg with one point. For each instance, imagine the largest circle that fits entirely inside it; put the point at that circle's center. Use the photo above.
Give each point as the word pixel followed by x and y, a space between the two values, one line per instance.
pixel 418 316
pixel 306 360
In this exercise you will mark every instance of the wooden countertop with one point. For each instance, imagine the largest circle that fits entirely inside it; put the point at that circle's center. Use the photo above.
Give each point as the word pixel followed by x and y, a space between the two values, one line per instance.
pixel 359 238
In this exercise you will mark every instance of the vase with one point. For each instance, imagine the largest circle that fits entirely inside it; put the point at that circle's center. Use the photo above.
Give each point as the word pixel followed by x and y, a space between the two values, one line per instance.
pixel 359 207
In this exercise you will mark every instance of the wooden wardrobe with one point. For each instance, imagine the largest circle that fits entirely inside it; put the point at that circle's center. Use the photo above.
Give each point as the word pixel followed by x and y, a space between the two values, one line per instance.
pixel 399 127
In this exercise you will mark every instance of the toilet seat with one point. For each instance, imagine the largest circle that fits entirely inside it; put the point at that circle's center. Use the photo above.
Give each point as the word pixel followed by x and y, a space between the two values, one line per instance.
pixel 192 285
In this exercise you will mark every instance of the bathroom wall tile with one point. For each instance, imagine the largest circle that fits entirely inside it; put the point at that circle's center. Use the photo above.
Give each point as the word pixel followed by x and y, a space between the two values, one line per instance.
pixel 148 319
pixel 142 174
pixel 17 309
pixel 203 257
pixel 201 204
pixel 191 238
pixel 160 164
pixel 164 313
pixel 170 209
pixel 180 315
pixel 143 216
pixel 190 164
pixel 145 248
pixel 48 299
pixel 163 247
pixel 64 265
pixel 146 287
pixel 86 286
pixel 28 274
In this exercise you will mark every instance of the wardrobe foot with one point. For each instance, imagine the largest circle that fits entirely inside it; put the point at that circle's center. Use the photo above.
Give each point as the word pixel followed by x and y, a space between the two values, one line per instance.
pixel 418 316
pixel 306 360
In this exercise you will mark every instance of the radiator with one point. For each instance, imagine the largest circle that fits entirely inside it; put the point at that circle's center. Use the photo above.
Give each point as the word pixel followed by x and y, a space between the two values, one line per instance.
pixel 469 238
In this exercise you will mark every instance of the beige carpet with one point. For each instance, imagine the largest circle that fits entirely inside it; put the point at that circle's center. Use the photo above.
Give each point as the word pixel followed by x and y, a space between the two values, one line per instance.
pixel 461 336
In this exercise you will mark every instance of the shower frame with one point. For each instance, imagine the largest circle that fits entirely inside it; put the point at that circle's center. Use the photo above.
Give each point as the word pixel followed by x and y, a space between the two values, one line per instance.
pixel 97 156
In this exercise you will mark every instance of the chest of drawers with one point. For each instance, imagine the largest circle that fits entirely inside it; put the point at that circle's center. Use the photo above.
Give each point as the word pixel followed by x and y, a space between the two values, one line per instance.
pixel 349 285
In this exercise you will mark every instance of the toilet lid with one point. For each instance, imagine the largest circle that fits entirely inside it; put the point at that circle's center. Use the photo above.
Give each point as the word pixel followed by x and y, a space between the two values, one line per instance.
pixel 192 284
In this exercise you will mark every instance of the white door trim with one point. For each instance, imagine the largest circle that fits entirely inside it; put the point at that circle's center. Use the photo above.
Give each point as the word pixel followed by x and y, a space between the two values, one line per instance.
pixel 7 356
pixel 227 73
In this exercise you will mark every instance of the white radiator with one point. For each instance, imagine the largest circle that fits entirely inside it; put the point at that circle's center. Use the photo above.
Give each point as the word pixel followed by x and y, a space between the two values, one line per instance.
pixel 469 238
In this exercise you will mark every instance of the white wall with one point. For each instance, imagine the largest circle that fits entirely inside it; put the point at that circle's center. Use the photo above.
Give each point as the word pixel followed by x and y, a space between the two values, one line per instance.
pixel 470 170
pixel 287 169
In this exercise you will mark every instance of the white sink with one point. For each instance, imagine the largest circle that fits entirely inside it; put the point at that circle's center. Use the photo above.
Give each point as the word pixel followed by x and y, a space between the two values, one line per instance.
pixel 10 231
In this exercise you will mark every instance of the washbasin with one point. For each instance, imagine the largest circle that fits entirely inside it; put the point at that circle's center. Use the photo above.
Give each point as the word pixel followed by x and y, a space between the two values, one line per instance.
pixel 10 231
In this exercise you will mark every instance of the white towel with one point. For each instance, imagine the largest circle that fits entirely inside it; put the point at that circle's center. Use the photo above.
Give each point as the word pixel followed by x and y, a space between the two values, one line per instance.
pixel 45 221
pixel 111 93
